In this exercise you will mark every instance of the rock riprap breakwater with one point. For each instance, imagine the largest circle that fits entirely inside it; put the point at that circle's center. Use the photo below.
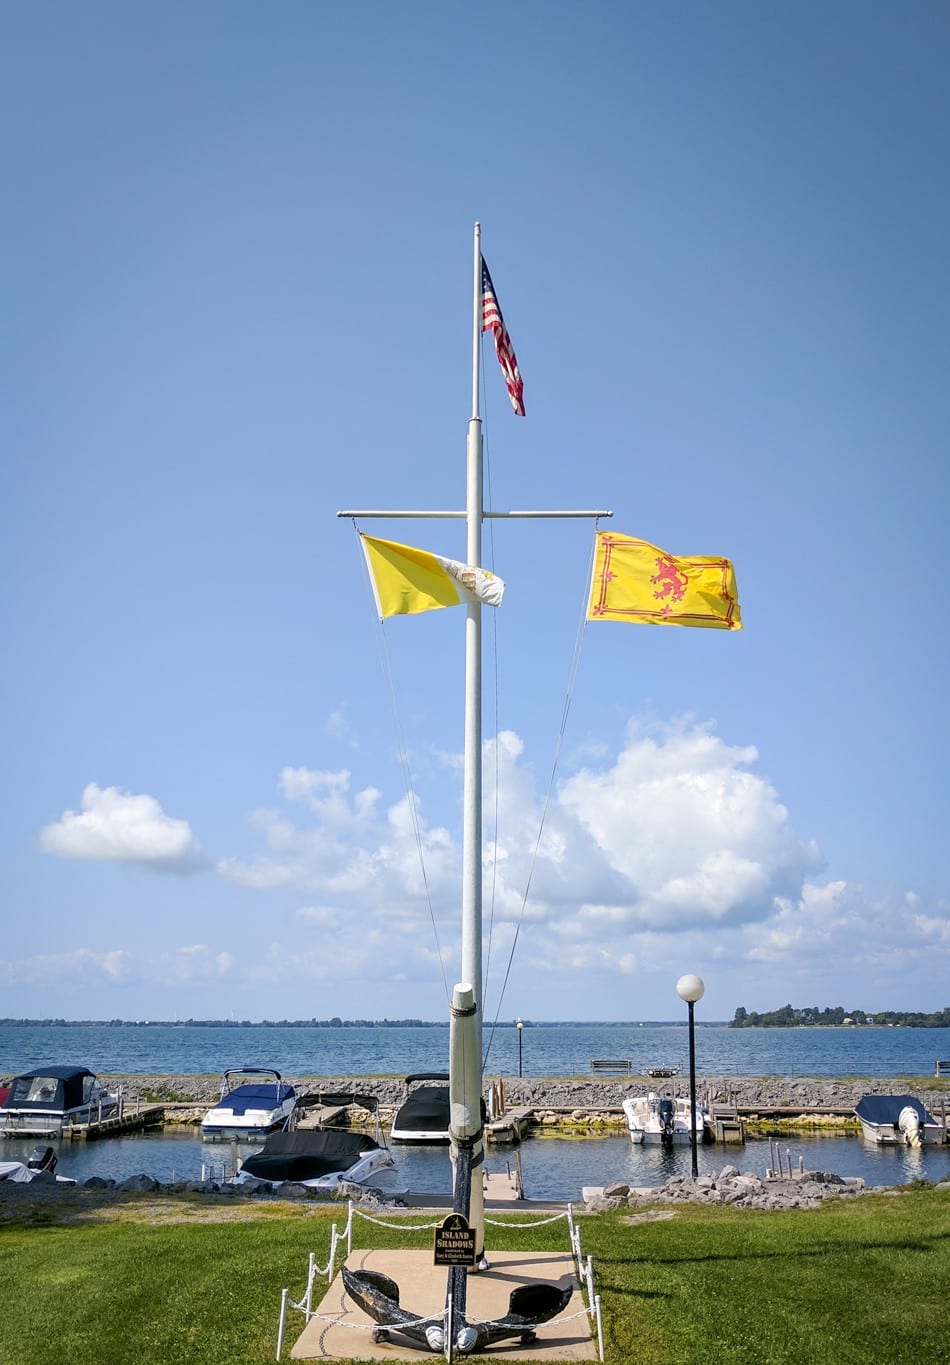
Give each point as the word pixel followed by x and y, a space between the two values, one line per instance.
pixel 566 1100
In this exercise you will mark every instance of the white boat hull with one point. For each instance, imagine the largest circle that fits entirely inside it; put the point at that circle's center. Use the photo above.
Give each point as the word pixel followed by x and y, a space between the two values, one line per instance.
pixel 357 1174
pixel 885 1134
pixel 645 1123
pixel 250 1108
pixel 221 1125
pixel 52 1124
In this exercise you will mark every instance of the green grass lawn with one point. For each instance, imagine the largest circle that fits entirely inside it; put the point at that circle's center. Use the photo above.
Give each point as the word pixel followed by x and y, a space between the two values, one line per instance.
pixel 158 1282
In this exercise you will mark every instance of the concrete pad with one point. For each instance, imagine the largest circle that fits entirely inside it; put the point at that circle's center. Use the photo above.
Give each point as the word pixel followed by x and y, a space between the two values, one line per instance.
pixel 341 1331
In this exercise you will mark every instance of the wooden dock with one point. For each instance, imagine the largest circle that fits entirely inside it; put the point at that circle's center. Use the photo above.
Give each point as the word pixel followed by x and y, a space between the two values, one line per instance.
pixel 510 1126
pixel 322 1116
pixel 134 1121
pixel 724 1124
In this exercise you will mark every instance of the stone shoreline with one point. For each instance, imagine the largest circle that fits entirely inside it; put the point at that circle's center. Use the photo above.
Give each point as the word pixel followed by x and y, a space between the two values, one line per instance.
pixel 570 1101
pixel 805 1094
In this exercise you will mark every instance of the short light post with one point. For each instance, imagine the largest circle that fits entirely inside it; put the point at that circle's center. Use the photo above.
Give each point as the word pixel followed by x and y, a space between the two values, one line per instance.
pixel 519 1026
pixel 690 988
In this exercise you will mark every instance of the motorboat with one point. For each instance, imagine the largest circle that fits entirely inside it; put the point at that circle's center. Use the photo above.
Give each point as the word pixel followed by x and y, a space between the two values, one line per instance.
pixel 658 1073
pixel 41 1162
pixel 51 1099
pixel 667 1118
pixel 898 1119
pixel 250 1106
pixel 320 1158
pixel 423 1117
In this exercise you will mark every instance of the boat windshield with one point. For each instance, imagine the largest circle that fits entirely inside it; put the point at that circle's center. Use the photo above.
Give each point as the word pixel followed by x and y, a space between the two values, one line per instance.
pixel 46 1090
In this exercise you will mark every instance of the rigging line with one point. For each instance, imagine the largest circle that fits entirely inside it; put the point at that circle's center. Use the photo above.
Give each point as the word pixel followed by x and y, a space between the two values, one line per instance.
pixel 403 754
pixel 575 664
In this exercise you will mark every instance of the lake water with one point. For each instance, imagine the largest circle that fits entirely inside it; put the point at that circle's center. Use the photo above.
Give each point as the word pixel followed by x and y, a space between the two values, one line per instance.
pixel 553 1167
pixel 546 1050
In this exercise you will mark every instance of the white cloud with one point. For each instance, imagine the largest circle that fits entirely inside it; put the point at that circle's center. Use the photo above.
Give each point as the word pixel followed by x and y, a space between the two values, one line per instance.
pixel 117 826
pixel 694 835
pixel 676 837
pixel 674 855
pixel 81 966
pixel 199 963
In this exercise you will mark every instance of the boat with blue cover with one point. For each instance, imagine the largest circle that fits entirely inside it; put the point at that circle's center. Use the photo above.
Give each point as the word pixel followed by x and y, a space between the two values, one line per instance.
pixel 250 1108
pixel 901 1120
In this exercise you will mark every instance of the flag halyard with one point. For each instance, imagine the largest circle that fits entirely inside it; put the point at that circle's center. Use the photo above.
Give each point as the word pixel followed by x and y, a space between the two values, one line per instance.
pixel 492 321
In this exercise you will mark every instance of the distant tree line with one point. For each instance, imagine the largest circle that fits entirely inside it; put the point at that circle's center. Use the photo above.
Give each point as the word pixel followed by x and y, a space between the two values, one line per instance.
pixel 790 1017
pixel 228 1023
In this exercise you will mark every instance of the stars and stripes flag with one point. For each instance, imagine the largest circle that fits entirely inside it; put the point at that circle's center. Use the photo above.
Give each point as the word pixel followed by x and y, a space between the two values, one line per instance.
pixel 492 321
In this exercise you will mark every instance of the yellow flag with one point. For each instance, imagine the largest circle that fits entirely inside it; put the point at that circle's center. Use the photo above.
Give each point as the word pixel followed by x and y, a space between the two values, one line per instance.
pixel 407 580
pixel 635 581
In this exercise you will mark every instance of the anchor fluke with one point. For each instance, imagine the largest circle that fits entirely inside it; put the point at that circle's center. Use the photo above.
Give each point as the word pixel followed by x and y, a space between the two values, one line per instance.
pixel 528 1306
pixel 378 1296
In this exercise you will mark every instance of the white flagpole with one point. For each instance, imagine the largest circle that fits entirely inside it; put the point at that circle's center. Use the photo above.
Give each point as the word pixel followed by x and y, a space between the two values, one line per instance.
pixel 472 793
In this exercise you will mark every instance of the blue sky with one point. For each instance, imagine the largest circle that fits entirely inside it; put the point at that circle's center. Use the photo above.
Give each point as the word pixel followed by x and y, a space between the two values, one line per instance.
pixel 237 276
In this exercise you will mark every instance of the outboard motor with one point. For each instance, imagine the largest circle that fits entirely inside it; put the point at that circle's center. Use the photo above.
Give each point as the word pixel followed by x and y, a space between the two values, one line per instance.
pixel 665 1113
pixel 42 1159
pixel 908 1123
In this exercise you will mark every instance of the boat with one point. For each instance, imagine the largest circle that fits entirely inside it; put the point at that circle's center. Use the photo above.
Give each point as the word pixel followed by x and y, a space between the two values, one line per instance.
pixel 249 1109
pixel 320 1158
pixel 51 1099
pixel 898 1119
pixel 423 1117
pixel 41 1161
pixel 662 1072
pixel 652 1118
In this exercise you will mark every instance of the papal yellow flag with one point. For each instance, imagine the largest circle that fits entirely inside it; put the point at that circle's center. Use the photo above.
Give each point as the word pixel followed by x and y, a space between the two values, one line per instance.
pixel 407 580
pixel 636 581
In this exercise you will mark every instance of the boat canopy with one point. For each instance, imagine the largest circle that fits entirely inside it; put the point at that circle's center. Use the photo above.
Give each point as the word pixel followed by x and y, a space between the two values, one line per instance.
pixel 51 1087
pixel 885 1109
pixel 330 1099
pixel 255 1095
pixel 305 1155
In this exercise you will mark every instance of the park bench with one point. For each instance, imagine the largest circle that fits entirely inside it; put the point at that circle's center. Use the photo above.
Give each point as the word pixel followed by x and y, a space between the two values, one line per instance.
pixel 615 1066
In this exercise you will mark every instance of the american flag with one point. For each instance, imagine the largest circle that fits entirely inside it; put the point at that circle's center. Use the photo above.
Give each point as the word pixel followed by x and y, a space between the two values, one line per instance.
pixel 492 321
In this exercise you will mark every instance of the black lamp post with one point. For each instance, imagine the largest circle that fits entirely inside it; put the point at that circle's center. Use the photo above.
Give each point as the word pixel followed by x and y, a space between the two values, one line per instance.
pixel 690 988
pixel 519 1026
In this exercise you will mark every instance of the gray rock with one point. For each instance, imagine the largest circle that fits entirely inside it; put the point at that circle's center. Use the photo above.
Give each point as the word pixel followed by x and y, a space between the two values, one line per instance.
pixel 618 1190
pixel 145 1183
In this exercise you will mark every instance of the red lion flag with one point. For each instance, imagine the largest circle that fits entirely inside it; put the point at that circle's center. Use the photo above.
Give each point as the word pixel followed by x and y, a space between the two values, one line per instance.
pixel 492 321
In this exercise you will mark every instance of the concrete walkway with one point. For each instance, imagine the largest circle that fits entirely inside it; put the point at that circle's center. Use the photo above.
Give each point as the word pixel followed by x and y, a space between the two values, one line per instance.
pixel 341 1331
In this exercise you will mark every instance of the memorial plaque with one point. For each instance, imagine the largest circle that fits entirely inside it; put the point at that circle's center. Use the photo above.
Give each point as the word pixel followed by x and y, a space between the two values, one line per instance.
pixel 454 1241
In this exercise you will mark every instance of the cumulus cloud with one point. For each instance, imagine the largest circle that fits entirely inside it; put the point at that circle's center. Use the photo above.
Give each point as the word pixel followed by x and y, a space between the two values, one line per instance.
pixel 199 963
pixel 676 831
pixel 675 853
pixel 84 967
pixel 696 836
pixel 81 967
pixel 676 835
pixel 348 848
pixel 117 826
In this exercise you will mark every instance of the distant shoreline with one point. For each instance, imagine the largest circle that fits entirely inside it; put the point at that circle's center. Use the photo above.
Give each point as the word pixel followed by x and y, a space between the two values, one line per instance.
pixel 351 1023
pixel 444 1023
